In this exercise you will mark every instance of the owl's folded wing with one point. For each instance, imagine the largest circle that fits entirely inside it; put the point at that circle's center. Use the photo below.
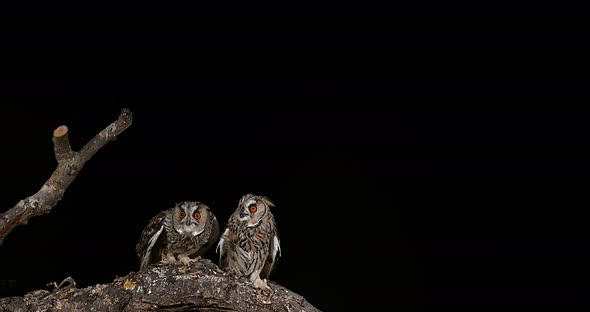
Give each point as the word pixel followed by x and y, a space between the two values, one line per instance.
pixel 149 237
pixel 271 261
pixel 222 249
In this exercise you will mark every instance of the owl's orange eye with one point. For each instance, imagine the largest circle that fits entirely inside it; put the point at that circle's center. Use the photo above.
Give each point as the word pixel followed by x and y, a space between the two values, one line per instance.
pixel 253 208
pixel 182 214
pixel 197 216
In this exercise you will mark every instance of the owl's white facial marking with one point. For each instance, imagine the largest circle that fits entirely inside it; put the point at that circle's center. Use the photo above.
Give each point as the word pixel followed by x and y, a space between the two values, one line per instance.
pixel 197 232
pixel 255 223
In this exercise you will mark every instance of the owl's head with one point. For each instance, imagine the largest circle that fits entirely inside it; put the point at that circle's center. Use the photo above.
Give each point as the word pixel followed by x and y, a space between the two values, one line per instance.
pixel 190 217
pixel 252 209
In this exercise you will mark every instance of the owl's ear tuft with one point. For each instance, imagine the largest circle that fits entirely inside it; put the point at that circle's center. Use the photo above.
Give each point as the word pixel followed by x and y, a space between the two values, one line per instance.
pixel 267 201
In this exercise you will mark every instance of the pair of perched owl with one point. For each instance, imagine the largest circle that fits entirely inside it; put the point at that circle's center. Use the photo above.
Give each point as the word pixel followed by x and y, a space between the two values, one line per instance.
pixel 249 245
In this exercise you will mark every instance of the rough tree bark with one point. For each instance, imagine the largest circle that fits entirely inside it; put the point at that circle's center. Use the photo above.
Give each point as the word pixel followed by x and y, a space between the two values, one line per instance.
pixel 199 287
pixel 69 163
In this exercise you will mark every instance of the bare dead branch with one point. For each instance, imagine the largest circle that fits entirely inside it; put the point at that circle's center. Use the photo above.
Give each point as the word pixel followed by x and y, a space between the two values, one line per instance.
pixel 69 163
pixel 200 287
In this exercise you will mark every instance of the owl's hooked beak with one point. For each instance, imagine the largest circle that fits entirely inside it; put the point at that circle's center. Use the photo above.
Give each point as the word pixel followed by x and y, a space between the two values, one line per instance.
pixel 188 221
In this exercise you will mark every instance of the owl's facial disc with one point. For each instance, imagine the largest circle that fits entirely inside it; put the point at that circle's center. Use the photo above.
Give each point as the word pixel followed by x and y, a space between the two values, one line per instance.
pixel 246 212
pixel 193 222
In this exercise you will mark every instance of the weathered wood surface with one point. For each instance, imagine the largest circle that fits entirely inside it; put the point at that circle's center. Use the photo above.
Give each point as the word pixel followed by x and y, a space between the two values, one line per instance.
pixel 199 287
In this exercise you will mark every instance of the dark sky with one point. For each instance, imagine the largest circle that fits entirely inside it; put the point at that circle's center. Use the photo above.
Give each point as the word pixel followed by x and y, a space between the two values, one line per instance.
pixel 423 210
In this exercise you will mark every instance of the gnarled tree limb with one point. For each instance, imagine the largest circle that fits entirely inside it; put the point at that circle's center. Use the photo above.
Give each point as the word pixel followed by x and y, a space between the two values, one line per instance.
pixel 199 287
pixel 69 163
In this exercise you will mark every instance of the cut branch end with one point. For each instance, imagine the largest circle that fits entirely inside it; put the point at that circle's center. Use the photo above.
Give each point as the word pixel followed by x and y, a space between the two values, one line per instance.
pixel 60 131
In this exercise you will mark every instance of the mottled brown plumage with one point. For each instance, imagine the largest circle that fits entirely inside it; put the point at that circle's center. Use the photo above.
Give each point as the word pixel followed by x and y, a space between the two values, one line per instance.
pixel 250 244
pixel 178 234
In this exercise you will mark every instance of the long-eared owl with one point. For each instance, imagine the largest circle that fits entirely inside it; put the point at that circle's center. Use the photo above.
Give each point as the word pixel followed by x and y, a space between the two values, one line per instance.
pixel 178 234
pixel 250 244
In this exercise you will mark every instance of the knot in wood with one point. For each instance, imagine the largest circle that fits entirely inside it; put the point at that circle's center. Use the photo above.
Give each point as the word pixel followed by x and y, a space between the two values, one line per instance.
pixel 71 169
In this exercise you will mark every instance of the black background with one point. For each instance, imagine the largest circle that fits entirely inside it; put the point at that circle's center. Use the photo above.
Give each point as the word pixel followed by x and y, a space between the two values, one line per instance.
pixel 418 210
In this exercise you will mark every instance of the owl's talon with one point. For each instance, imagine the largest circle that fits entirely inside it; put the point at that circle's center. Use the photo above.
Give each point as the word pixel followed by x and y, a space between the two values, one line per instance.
pixel 272 291
pixel 169 260
pixel 197 263
pixel 261 284
pixel 186 260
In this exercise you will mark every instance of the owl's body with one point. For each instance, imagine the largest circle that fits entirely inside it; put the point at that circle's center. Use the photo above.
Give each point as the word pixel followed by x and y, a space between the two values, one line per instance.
pixel 178 234
pixel 250 244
